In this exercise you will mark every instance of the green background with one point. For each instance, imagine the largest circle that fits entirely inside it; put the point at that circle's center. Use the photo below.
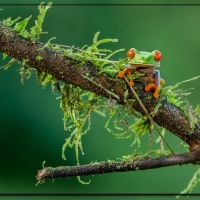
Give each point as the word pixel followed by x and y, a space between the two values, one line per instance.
pixel 31 125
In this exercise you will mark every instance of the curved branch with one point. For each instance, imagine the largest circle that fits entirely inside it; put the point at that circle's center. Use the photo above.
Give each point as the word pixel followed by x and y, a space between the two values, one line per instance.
pixel 124 166
pixel 65 69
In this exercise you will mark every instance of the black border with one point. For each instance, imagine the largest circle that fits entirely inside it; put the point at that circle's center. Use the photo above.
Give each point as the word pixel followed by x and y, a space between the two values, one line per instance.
pixel 103 4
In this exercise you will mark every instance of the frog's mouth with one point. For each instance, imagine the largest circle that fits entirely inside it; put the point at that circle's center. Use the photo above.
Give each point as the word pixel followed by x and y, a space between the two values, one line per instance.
pixel 135 65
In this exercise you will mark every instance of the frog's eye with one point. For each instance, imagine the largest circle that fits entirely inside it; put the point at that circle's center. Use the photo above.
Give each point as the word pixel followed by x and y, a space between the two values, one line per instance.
pixel 157 56
pixel 131 53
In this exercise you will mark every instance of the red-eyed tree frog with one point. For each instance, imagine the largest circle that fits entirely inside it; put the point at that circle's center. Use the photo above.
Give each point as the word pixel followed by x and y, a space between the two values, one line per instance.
pixel 141 62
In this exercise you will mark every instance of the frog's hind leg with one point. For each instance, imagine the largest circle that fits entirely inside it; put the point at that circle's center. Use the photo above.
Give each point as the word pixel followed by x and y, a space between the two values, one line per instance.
pixel 150 86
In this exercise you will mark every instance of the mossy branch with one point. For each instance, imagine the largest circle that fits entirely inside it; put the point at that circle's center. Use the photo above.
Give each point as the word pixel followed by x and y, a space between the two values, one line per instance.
pixel 123 166
pixel 85 75
pixel 65 69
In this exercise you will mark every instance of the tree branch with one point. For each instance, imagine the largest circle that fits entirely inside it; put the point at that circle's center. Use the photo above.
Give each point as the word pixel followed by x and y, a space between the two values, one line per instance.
pixel 65 69
pixel 124 166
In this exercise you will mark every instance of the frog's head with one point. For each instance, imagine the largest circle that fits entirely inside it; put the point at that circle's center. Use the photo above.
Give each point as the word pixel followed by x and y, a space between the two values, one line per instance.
pixel 144 59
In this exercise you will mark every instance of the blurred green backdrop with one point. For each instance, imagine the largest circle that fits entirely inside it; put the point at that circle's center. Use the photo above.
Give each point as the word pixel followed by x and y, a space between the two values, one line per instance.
pixel 30 117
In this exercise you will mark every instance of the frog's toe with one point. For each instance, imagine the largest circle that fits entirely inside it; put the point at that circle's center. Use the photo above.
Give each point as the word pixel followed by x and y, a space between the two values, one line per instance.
pixel 131 83
pixel 147 88
pixel 121 74
pixel 162 82
pixel 156 94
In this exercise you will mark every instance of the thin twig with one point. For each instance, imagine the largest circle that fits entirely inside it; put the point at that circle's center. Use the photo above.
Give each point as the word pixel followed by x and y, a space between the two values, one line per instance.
pixel 123 166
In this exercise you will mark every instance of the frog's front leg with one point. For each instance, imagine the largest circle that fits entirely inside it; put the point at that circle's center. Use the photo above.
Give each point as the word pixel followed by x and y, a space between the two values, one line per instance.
pixel 124 72
pixel 152 87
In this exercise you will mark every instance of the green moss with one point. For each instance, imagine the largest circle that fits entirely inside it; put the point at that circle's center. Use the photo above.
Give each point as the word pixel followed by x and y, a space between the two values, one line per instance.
pixel 138 155
pixel 43 163
pixel 9 21
pixel 20 27
pixel 178 98
pixel 36 30
pixel 77 106
pixel 192 184
pixel 10 63
pixel 40 182
pixel 25 71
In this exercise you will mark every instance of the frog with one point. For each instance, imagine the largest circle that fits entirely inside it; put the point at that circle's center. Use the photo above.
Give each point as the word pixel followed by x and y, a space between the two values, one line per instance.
pixel 145 64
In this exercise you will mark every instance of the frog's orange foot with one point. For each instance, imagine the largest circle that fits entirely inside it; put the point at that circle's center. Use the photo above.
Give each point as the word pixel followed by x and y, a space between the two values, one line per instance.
pixel 162 82
pixel 121 74
pixel 156 94
pixel 125 71
pixel 150 86
pixel 131 83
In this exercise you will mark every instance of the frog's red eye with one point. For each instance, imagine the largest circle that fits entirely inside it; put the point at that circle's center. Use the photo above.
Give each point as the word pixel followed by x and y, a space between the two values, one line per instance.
pixel 131 53
pixel 157 56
